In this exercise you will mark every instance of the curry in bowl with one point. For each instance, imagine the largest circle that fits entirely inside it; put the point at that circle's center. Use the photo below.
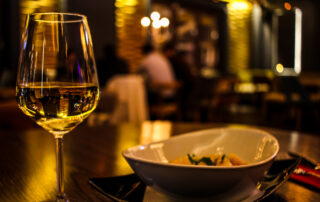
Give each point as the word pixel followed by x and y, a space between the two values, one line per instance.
pixel 215 163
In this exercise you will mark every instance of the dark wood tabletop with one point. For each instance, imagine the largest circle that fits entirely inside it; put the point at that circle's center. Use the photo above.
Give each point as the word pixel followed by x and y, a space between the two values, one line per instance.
pixel 27 160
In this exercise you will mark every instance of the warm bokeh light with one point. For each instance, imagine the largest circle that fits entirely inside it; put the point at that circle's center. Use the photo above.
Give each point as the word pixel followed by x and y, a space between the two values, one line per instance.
pixel 298 41
pixel 239 26
pixel 249 87
pixel 126 3
pixel 32 6
pixel 279 68
pixel 287 6
pixel 145 21
pixel 155 131
pixel 125 138
pixel 165 22
pixel 128 14
pixel 245 88
pixel 155 21
pixel 45 174
pixel 155 15
pixel 239 5
pixel 156 24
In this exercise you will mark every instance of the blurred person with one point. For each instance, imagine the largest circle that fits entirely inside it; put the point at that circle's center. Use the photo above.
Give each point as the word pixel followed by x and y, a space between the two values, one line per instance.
pixel 181 68
pixel 158 71
pixel 156 66
pixel 110 65
pixel 68 67
pixel 7 78
pixel 183 74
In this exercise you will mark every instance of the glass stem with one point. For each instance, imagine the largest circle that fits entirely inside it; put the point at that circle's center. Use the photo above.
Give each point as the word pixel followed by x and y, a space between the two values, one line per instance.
pixel 59 162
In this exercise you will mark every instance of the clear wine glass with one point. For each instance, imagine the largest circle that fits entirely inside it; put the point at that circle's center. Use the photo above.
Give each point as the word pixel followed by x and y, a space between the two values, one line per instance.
pixel 57 83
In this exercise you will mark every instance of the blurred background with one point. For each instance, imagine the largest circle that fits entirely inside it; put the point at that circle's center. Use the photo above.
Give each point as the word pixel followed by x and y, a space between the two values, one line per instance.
pixel 235 61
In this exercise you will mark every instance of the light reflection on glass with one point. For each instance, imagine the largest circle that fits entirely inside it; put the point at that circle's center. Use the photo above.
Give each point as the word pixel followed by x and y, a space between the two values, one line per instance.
pixel 32 6
pixel 83 42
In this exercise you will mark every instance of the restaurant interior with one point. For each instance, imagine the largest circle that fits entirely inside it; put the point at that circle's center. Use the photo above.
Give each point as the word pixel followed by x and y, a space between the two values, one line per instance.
pixel 149 70
pixel 246 62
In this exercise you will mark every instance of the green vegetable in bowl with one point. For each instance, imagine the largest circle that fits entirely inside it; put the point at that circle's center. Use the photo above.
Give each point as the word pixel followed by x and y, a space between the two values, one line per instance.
pixel 210 160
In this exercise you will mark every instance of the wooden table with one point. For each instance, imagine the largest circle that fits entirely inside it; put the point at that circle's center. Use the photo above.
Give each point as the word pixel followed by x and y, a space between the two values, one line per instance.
pixel 27 160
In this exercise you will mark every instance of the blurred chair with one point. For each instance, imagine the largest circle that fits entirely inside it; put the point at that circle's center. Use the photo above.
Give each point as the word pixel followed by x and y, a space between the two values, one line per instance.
pixel 131 105
pixel 213 99
pixel 201 100
pixel 290 100
pixel 104 110
pixel 162 106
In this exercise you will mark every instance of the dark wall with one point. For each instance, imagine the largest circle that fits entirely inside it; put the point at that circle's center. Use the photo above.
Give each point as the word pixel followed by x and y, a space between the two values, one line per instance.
pixel 310 31
pixel 101 20
pixel 9 41
pixel 310 34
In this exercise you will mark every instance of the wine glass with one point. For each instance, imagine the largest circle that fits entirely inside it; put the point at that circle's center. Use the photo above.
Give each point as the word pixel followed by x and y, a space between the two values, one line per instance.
pixel 57 83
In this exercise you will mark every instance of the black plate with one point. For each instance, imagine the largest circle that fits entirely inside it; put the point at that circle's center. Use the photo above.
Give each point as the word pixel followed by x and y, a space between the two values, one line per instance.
pixel 130 188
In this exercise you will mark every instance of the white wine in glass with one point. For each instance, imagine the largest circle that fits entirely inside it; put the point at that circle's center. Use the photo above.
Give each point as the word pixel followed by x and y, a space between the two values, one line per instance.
pixel 57 82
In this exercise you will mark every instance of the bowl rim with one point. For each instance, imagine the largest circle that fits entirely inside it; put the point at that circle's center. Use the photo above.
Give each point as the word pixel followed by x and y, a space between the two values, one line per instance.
pixel 126 155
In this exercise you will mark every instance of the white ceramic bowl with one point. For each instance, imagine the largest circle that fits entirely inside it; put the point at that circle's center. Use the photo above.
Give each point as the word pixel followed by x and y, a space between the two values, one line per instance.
pixel 150 162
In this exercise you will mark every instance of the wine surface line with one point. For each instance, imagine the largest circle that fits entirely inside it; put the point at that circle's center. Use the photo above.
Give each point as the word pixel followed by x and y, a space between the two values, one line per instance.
pixel 59 107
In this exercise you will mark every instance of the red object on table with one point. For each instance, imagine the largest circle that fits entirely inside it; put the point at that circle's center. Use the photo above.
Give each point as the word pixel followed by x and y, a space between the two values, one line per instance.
pixel 308 179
